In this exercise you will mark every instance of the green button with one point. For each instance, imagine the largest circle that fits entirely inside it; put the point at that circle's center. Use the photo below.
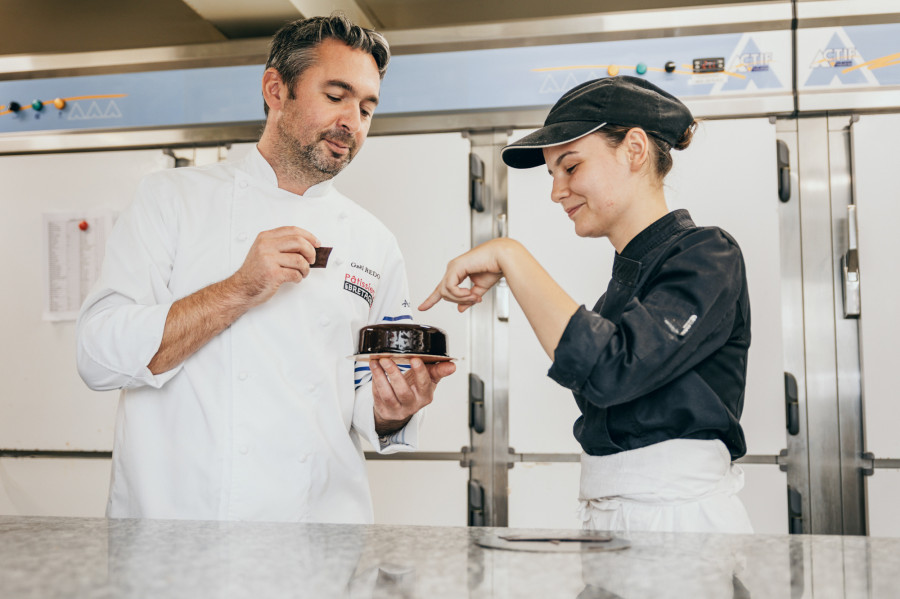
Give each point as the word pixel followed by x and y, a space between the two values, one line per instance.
pixel 641 68
pixel 37 105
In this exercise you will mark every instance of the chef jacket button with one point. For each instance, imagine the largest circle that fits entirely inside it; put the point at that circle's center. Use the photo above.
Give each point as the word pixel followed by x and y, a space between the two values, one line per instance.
pixel 243 185
pixel 302 458
pixel 244 449
pixel 242 376
pixel 342 216
pixel 242 237
pixel 338 261
pixel 310 387
pixel 324 320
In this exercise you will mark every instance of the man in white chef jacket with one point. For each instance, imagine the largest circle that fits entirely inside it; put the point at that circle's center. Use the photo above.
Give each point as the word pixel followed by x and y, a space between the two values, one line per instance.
pixel 238 401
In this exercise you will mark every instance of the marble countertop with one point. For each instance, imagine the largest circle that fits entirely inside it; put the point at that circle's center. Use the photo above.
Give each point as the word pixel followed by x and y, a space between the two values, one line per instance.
pixel 96 557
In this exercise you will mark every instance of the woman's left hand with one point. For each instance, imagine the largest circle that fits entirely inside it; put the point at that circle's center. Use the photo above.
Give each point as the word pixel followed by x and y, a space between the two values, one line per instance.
pixel 481 265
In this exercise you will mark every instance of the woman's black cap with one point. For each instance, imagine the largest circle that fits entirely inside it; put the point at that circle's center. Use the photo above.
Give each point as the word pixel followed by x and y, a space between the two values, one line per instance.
pixel 622 100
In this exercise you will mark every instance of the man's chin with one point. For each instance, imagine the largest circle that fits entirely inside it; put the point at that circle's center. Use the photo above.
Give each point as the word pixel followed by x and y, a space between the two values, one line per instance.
pixel 331 167
pixel 335 161
pixel 325 160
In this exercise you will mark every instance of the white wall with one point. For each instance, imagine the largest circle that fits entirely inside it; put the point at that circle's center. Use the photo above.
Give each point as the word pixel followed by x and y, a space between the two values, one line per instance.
pixel 44 404
pixel 877 199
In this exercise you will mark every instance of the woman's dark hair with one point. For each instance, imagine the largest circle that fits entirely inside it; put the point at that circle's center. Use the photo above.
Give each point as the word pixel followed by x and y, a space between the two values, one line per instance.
pixel 660 150
pixel 293 48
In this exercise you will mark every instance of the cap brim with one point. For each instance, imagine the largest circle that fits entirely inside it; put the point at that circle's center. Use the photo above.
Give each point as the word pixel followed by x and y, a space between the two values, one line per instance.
pixel 528 152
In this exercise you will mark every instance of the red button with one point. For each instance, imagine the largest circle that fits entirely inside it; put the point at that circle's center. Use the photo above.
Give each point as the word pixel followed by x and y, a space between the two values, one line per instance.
pixel 83 225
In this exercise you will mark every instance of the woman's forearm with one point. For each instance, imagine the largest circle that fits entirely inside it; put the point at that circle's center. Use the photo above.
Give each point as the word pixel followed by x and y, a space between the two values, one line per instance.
pixel 546 305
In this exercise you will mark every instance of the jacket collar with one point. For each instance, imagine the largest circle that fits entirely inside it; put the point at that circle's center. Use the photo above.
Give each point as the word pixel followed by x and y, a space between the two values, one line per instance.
pixel 260 169
pixel 627 265
pixel 658 232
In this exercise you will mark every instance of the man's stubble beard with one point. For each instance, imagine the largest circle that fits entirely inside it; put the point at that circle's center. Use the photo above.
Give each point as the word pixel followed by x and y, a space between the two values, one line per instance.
pixel 311 162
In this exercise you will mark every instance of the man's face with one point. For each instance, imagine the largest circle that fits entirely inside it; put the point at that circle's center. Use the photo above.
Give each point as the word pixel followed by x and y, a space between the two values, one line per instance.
pixel 321 129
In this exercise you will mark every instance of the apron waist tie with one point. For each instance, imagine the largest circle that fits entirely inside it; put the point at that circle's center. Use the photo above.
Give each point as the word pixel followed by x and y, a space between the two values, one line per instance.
pixel 593 512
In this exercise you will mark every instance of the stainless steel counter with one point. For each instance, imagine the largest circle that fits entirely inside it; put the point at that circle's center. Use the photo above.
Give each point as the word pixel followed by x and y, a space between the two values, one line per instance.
pixel 85 557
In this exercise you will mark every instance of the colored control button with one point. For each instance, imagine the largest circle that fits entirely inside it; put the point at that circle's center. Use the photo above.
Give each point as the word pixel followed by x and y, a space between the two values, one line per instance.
pixel 83 225
pixel 641 68
pixel 14 107
pixel 670 67
pixel 37 105
pixel 59 103
pixel 613 70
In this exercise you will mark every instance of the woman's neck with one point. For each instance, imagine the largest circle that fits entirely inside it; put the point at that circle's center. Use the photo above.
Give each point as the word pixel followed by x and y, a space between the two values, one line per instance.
pixel 649 207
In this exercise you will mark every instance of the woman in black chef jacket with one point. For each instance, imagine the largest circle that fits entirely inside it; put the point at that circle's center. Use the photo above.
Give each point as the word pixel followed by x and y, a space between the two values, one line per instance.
pixel 658 366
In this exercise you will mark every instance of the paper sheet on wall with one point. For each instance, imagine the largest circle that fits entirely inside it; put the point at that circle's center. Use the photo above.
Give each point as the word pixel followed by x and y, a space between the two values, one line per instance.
pixel 74 243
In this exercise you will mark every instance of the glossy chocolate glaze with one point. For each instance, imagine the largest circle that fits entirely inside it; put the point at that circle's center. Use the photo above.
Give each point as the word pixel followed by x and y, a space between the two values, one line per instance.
pixel 402 339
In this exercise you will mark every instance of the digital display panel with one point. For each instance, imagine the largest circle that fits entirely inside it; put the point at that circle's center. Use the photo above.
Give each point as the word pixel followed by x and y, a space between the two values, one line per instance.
pixel 709 65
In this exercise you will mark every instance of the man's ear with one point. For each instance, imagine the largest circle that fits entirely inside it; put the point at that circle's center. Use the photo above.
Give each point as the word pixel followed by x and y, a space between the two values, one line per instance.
pixel 637 147
pixel 274 90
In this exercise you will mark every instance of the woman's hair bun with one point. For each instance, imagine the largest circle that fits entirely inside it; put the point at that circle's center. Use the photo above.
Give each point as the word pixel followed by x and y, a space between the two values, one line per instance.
pixel 687 136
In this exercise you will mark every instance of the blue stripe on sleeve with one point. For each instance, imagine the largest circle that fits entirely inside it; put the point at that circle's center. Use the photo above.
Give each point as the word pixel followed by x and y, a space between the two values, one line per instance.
pixel 396 318
pixel 365 375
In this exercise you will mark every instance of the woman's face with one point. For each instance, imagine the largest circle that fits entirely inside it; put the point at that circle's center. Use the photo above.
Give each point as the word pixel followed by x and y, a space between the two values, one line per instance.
pixel 593 183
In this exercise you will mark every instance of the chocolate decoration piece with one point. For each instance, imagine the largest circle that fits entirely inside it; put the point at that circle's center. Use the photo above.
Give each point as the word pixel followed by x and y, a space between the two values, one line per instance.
pixel 402 339
pixel 322 254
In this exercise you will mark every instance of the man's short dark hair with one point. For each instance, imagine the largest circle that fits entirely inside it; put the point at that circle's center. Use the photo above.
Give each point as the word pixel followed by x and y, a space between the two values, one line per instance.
pixel 293 48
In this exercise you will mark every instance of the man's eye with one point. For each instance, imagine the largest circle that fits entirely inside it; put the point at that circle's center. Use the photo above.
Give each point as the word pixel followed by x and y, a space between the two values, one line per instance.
pixel 365 113
pixel 333 98
pixel 571 169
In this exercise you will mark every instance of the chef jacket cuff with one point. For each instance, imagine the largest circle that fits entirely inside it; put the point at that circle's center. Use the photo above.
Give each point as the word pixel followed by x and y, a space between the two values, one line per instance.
pixel 578 351
pixel 156 324
pixel 406 439
pixel 123 364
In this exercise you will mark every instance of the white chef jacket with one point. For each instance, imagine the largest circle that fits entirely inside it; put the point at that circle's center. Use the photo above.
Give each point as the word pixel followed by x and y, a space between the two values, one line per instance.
pixel 264 421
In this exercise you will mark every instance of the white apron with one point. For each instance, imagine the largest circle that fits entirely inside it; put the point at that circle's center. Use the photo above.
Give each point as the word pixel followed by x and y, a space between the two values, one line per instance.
pixel 680 485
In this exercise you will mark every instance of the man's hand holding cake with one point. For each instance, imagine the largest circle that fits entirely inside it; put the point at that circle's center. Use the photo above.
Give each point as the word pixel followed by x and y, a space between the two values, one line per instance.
pixel 398 394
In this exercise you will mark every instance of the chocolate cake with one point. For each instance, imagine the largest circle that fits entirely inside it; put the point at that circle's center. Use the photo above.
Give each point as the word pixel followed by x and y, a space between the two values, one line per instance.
pixel 394 338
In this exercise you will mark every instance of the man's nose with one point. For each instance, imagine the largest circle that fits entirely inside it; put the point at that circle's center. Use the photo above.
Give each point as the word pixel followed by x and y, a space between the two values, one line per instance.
pixel 350 119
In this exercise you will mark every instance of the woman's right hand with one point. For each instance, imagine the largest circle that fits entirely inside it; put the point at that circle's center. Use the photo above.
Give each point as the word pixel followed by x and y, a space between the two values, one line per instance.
pixel 481 265
pixel 546 305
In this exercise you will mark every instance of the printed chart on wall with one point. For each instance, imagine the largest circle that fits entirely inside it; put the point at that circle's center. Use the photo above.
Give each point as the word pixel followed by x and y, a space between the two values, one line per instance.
pixel 73 244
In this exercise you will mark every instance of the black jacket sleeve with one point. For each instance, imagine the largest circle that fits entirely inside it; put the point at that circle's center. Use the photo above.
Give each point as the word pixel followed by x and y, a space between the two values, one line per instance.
pixel 681 311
